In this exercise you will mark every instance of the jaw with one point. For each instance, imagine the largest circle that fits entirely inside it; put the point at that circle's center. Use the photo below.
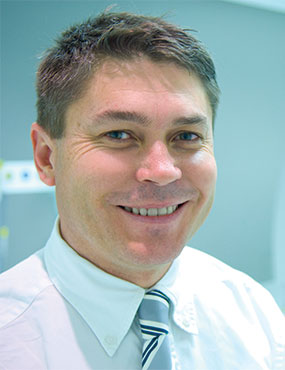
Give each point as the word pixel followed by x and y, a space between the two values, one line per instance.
pixel 136 248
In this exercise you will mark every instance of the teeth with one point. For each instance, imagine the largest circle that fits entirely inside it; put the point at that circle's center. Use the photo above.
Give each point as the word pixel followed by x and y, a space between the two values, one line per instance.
pixel 170 209
pixel 143 212
pixel 152 211
pixel 134 210
pixel 162 211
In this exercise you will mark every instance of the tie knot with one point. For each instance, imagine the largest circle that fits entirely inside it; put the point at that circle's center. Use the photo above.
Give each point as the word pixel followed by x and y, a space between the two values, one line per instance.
pixel 153 313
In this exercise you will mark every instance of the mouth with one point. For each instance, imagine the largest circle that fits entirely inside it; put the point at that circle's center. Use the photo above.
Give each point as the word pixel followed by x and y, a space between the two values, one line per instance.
pixel 153 212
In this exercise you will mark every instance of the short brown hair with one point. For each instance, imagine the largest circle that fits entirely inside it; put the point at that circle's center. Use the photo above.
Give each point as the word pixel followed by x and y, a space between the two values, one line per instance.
pixel 67 67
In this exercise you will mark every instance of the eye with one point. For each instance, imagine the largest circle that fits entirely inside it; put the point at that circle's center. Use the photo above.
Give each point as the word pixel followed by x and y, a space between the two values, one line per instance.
pixel 187 136
pixel 118 135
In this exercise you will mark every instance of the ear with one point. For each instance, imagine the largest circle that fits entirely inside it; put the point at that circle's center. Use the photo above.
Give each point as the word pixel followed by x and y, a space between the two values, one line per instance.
pixel 43 147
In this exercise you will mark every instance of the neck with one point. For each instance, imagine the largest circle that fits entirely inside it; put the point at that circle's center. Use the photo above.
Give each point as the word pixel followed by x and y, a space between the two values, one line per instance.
pixel 144 277
pixel 140 274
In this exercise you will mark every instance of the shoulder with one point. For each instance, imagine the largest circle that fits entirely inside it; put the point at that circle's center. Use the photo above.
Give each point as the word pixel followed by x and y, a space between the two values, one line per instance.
pixel 212 270
pixel 20 286
pixel 208 271
pixel 221 288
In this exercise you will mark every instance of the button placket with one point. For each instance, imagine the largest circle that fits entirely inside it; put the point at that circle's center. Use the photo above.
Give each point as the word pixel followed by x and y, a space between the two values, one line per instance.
pixel 174 357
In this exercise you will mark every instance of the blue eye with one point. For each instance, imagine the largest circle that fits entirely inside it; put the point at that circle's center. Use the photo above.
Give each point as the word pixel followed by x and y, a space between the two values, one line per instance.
pixel 118 135
pixel 187 136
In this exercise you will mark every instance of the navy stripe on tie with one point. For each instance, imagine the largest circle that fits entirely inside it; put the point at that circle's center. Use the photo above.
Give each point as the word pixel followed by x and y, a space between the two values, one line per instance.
pixel 158 293
pixel 147 352
pixel 154 330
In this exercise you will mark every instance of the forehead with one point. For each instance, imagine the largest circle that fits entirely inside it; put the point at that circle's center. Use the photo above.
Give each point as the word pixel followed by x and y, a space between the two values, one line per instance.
pixel 153 76
pixel 155 89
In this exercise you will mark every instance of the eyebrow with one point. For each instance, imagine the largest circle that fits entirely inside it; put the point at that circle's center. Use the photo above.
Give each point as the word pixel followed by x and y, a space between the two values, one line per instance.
pixel 128 116
pixel 135 117
pixel 196 119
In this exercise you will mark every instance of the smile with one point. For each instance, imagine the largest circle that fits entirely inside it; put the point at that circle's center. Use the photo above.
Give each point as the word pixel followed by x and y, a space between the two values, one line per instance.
pixel 152 211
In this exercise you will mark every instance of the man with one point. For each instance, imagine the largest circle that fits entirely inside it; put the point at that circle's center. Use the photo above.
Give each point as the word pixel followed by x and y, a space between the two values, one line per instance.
pixel 126 108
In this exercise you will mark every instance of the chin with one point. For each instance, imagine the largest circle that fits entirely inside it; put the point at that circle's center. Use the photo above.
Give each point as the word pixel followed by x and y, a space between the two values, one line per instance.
pixel 154 254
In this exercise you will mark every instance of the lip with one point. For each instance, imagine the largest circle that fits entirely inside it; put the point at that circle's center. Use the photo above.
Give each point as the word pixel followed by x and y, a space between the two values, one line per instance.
pixel 154 219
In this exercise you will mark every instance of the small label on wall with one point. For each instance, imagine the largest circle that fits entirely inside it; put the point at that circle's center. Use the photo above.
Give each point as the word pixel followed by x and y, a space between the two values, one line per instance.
pixel 17 177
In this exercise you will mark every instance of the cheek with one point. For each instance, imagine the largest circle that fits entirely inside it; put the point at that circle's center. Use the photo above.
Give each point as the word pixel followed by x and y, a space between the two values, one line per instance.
pixel 201 168
pixel 103 169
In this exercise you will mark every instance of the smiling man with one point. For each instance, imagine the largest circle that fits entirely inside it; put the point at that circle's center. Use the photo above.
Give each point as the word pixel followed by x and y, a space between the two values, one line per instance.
pixel 126 107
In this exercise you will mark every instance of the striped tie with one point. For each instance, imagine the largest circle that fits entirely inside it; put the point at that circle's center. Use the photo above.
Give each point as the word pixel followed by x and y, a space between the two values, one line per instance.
pixel 153 318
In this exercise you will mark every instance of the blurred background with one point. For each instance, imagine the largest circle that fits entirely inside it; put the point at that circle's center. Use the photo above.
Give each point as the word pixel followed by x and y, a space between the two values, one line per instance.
pixel 246 228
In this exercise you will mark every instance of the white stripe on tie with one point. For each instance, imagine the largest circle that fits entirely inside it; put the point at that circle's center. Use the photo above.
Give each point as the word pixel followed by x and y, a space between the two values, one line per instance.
pixel 153 318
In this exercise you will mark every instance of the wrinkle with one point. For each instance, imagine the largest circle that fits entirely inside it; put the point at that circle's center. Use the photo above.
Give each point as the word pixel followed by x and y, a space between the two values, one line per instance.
pixel 82 145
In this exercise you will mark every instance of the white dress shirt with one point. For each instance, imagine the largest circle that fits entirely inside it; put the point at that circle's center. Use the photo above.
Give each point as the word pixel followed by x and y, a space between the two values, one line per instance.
pixel 60 312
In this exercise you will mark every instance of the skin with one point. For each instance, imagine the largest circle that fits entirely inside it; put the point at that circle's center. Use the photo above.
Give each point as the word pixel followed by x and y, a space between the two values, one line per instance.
pixel 159 155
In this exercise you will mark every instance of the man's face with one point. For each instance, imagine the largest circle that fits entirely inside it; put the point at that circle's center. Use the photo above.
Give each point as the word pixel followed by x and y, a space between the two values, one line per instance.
pixel 135 172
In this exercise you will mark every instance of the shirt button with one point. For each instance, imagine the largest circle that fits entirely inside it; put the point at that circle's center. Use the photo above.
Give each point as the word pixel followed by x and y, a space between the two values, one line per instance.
pixel 186 323
pixel 111 340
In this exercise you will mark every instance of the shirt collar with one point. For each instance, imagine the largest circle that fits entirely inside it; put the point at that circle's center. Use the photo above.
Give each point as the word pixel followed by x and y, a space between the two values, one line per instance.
pixel 92 292
pixel 176 284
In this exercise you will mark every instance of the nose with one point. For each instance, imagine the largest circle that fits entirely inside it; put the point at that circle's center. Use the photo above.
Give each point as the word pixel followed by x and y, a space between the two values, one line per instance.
pixel 158 166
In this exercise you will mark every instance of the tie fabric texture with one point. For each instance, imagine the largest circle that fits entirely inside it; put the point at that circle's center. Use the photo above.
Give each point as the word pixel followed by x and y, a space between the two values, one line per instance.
pixel 153 319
